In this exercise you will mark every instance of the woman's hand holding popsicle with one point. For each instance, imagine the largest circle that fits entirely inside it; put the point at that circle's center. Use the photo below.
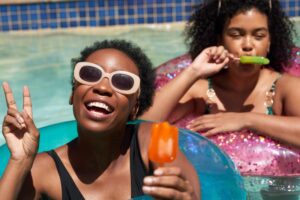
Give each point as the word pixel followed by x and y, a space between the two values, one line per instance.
pixel 167 182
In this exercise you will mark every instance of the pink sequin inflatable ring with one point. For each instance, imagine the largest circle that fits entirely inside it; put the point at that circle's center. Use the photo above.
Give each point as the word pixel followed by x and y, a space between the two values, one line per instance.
pixel 254 155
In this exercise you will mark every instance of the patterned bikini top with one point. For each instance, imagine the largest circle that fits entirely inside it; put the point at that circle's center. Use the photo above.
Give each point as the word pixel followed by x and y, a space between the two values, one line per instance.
pixel 268 103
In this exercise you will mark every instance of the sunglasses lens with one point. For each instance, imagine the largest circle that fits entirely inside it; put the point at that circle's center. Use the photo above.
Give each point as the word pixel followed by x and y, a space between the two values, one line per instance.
pixel 90 74
pixel 122 81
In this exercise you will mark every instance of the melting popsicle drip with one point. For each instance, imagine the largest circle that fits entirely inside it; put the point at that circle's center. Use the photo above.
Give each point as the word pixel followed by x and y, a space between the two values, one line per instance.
pixel 164 143
pixel 254 60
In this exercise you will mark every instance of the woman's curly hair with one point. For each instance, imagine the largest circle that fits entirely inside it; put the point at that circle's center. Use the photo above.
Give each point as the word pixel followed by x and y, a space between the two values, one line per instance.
pixel 143 63
pixel 207 23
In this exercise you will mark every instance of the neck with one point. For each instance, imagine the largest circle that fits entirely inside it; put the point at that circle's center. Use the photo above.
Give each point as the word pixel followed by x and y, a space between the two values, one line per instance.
pixel 100 150
pixel 235 82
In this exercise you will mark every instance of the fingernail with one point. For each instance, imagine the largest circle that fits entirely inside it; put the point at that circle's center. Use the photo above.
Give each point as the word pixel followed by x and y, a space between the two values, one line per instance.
pixel 20 119
pixel 146 189
pixel 158 172
pixel 148 180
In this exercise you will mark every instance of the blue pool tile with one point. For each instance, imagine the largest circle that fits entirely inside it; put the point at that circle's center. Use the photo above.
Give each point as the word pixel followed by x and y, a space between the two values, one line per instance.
pixel 130 2
pixel 33 17
pixel 101 3
pixel 24 7
pixel 44 16
pixel 63 24
pixel 160 20
pixel 4 19
pixel 73 14
pixel 111 22
pixel 33 7
pixel 169 19
pixel 63 15
pixel 72 4
pixel 15 27
pixel 159 1
pixel 169 10
pixel 92 4
pixel 5 28
pixel 179 18
pixel 14 18
pixel 13 8
pixel 52 6
pixel 111 12
pixel 92 13
pixel 92 23
pixel 53 15
pixel 178 9
pixel 44 25
pixel 102 22
pixel 101 13
pixel 53 25
pixel 73 24
pixel 43 6
pixel 131 21
pixel 24 17
pixel 150 1
pixel 121 21
pixel 150 10
pixel 3 9
pixel 159 10
pixel 83 23
pixel 82 4
pixel 130 11
pixel 150 20
pixel 292 4
pixel 140 11
pixel 111 3
pixel 62 5
pixel 140 20
pixel 24 26
pixel 120 3
pixel 82 13
pixel 121 11
pixel 34 26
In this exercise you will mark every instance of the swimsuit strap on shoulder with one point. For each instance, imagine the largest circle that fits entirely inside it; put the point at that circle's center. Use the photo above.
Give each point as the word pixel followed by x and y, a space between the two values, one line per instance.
pixel 270 97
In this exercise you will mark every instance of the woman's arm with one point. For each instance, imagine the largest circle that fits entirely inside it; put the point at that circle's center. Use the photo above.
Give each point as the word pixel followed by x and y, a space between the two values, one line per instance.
pixel 209 61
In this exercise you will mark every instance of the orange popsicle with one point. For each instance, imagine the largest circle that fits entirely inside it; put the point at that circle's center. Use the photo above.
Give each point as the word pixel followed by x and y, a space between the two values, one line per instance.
pixel 164 143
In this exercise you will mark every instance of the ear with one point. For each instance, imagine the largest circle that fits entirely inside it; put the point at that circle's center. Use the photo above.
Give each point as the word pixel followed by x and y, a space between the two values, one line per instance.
pixel 134 112
pixel 71 99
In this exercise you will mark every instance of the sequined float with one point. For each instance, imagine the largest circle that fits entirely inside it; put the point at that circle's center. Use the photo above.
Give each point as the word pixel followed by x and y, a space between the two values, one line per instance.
pixel 253 154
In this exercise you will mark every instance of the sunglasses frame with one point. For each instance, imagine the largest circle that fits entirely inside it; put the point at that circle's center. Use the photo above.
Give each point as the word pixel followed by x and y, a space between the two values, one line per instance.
pixel 80 65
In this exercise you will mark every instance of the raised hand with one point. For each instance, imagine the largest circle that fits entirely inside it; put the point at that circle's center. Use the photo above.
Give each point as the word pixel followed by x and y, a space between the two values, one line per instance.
pixel 168 183
pixel 19 131
pixel 211 60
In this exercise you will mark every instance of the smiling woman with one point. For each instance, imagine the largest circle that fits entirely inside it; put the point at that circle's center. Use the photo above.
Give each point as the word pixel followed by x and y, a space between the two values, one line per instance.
pixel 108 153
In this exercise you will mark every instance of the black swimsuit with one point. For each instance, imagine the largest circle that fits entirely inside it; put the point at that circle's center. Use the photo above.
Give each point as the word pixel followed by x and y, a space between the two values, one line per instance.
pixel 137 171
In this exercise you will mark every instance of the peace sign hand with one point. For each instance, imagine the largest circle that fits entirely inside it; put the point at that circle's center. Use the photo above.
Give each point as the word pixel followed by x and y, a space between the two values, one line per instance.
pixel 19 131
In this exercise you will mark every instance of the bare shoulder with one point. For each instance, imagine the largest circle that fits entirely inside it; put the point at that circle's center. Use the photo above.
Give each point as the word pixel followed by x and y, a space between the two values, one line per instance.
pixel 287 83
pixel 45 176
pixel 199 88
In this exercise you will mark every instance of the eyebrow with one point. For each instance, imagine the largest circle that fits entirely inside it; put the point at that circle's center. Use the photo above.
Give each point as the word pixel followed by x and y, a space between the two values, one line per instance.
pixel 243 30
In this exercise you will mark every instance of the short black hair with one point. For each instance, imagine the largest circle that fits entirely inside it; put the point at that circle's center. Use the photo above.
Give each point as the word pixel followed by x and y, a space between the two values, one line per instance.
pixel 207 23
pixel 143 63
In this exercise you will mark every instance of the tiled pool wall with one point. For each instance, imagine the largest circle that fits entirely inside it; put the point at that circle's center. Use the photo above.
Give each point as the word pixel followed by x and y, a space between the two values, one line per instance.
pixel 92 13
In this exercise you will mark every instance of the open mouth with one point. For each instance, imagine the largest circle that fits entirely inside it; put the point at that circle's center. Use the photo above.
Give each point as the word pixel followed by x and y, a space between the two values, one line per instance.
pixel 99 108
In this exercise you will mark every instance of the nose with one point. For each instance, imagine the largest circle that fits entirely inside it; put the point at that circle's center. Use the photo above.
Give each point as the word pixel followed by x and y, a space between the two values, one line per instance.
pixel 247 45
pixel 103 87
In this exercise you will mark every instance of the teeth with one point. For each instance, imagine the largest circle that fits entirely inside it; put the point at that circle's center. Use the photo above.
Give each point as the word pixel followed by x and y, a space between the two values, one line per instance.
pixel 100 105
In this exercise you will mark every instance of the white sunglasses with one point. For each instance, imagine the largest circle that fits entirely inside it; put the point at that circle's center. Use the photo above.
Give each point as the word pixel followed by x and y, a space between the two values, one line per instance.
pixel 121 81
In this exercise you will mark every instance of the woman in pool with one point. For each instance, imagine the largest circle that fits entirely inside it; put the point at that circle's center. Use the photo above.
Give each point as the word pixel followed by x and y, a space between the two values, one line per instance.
pixel 250 110
pixel 109 159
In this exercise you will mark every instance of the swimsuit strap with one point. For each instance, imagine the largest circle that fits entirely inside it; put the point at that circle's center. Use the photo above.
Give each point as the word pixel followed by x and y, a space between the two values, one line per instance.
pixel 270 97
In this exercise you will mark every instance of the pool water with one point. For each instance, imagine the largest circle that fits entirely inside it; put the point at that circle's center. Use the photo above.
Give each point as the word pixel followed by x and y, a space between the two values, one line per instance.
pixel 41 60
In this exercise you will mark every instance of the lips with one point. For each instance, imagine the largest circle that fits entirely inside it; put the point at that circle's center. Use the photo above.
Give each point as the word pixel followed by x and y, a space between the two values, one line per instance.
pixel 98 109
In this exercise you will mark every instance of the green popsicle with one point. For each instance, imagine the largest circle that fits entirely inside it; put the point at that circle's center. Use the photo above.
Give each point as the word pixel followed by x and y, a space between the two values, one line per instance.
pixel 254 60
